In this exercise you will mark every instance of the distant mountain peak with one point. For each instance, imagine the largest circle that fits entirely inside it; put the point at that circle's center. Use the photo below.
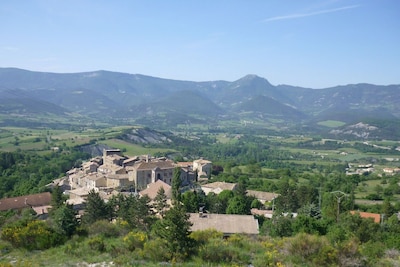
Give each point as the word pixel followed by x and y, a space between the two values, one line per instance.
pixel 252 78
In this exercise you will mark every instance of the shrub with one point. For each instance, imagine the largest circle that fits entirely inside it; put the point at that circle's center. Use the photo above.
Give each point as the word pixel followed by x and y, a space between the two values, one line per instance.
pixel 81 231
pixel 36 235
pixel 157 250
pixel 97 243
pixel 203 236
pixel 310 249
pixel 219 251
pixel 241 241
pixel 336 234
pixel 269 257
pixel 104 228
pixel 5 247
pixel 349 253
pixel 134 240
pixel 372 251
pixel 73 248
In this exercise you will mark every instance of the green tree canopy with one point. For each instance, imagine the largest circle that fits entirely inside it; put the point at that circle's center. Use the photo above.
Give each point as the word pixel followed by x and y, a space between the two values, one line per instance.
pixel 160 201
pixel 176 186
pixel 96 209
pixel 64 221
pixel 175 229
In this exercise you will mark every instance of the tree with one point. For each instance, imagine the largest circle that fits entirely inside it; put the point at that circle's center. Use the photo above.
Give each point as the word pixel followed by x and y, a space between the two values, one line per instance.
pixel 237 205
pixel 364 229
pixel 135 210
pixel 256 204
pixel 387 209
pixel 175 229
pixel 223 200
pixel 56 197
pixel 176 186
pixel 141 215
pixel 306 195
pixel 96 209
pixel 190 201
pixel 308 224
pixel 214 204
pixel 64 220
pixel 279 226
pixel 160 201
pixel 287 201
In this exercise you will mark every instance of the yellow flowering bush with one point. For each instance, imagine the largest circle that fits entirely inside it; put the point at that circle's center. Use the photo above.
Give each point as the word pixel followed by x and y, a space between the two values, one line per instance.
pixel 134 240
pixel 34 235
pixel 270 255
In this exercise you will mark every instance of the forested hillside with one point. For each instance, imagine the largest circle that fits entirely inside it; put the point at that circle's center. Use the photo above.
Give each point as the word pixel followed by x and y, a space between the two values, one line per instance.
pixel 23 173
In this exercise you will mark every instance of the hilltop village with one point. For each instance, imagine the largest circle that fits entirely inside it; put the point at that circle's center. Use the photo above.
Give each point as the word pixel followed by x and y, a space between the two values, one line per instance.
pixel 115 173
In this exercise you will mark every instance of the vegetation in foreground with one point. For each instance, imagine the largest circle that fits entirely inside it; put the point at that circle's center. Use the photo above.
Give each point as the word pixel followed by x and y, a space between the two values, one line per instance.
pixel 132 236
pixel 125 232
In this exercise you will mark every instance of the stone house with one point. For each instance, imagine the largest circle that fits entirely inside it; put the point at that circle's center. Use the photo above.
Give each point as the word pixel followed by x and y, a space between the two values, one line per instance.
pixel 147 172
pixel 113 156
pixel 90 166
pixel 203 168
pixel 119 181
pixel 94 181
pixel 79 193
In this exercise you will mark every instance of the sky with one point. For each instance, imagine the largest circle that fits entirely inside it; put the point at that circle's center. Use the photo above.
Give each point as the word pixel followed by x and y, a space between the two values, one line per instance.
pixel 314 44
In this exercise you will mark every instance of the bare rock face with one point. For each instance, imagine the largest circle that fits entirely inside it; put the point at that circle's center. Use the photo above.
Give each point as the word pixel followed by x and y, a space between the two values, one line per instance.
pixel 361 130
pixel 145 136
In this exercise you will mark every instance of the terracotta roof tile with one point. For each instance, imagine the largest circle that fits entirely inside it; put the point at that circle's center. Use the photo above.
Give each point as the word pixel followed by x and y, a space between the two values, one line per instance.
pixel 375 216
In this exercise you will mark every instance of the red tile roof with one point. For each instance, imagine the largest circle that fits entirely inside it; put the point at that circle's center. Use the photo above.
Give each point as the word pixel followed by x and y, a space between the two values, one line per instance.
pixel 375 216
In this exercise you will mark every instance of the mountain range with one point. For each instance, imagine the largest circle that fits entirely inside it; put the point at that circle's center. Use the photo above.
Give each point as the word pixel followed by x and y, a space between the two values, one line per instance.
pixel 120 96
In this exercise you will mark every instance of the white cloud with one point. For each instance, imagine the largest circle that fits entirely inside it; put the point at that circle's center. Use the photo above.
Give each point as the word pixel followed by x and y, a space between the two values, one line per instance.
pixel 309 14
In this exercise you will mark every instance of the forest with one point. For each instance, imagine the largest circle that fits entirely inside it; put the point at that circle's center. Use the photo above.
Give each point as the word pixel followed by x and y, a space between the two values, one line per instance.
pixel 306 172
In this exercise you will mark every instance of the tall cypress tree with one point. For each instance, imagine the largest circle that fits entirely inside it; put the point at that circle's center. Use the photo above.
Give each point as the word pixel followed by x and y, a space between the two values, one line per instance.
pixel 176 186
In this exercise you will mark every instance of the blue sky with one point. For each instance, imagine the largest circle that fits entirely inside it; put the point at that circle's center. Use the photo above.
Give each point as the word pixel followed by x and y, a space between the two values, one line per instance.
pixel 313 44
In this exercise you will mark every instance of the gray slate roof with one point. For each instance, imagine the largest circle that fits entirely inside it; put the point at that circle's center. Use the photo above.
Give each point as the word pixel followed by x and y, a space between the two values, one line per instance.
pixel 225 223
